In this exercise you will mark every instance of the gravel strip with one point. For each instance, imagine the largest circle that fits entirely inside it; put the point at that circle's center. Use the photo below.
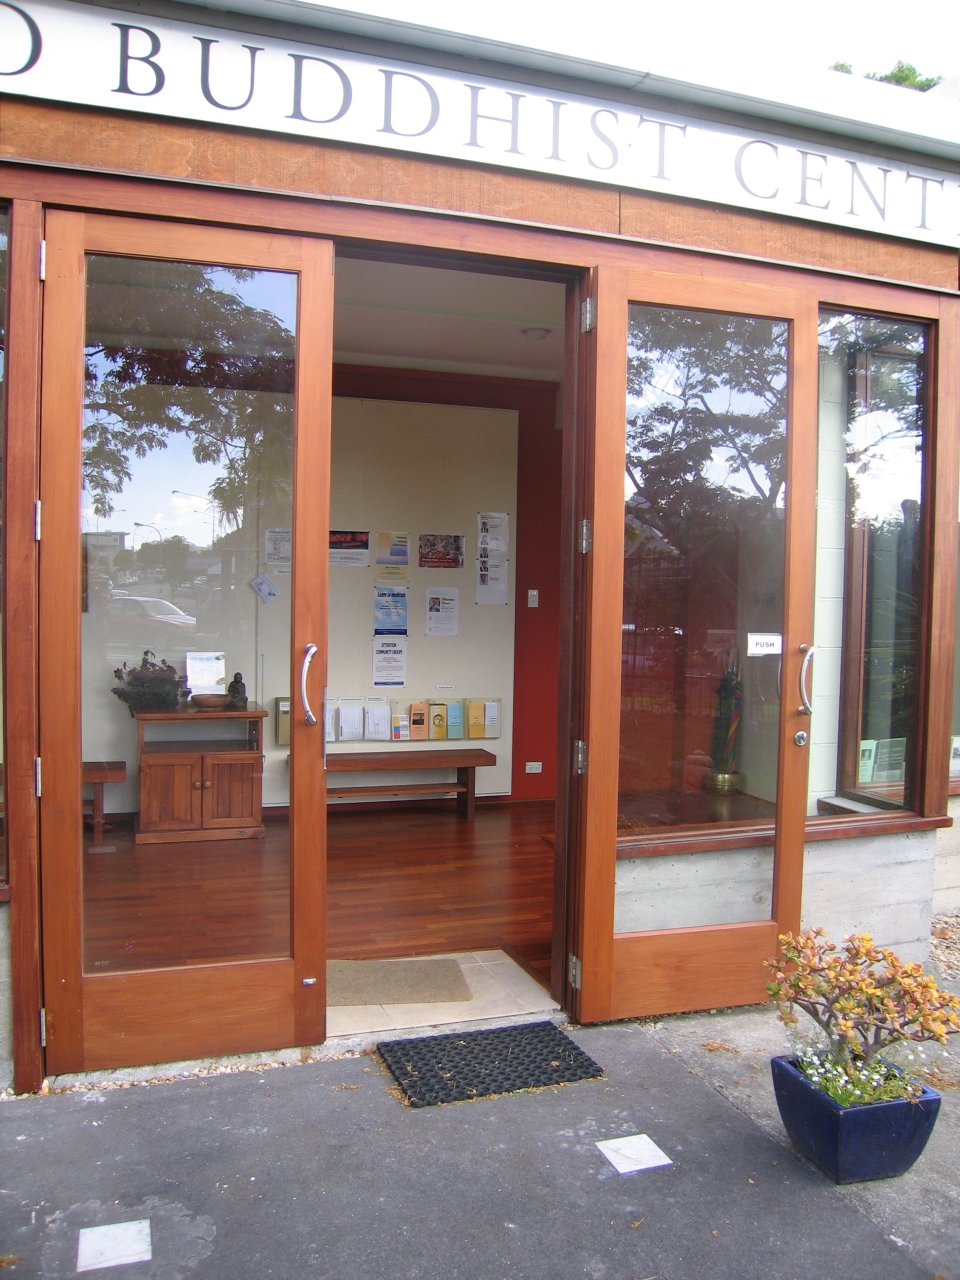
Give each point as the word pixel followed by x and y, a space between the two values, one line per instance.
pixel 945 944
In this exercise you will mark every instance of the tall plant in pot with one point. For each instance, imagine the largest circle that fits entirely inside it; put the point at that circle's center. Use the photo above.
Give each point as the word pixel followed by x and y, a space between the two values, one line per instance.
pixel 845 1101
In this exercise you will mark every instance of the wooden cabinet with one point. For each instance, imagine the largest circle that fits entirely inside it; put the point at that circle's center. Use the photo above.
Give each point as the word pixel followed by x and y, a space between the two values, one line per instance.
pixel 200 779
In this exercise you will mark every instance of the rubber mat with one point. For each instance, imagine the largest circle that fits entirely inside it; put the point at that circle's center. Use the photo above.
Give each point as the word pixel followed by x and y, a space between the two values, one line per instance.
pixel 479 1064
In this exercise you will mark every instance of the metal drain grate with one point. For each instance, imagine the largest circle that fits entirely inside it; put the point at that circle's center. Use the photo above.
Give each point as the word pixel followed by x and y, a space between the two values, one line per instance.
pixel 479 1064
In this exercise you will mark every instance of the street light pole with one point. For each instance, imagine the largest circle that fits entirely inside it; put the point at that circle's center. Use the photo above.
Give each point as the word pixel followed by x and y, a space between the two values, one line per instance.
pixel 211 507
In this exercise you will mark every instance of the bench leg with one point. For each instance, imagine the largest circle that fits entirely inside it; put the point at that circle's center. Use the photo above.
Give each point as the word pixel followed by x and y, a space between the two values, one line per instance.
pixel 466 799
pixel 98 821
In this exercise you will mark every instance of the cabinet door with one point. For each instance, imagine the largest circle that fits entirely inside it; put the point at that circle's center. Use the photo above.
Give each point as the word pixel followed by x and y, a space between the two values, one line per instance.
pixel 232 789
pixel 170 792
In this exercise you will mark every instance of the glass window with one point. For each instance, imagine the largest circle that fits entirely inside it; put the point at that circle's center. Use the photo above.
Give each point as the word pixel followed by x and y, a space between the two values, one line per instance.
pixel 869 567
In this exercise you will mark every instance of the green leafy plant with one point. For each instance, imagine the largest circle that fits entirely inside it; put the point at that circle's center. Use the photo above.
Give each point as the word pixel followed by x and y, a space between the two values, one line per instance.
pixel 152 686
pixel 864 1001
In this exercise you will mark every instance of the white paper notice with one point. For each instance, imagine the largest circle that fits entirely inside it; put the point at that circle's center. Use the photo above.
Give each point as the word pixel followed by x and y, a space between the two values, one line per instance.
pixel 376 721
pixel 264 588
pixel 493 545
pixel 389 662
pixel 351 720
pixel 206 672
pixel 493 532
pixel 278 549
pixel 443 611
pixel 330 721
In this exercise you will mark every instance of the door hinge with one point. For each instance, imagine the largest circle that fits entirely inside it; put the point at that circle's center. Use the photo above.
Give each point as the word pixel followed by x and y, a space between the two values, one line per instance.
pixel 585 537
pixel 588 315
pixel 43 259
pixel 579 756
pixel 38 776
pixel 43 1028
pixel 36 520
pixel 574 972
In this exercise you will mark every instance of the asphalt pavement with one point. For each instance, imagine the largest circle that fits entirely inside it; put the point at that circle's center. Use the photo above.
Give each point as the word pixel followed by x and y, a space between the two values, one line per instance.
pixel 289 1169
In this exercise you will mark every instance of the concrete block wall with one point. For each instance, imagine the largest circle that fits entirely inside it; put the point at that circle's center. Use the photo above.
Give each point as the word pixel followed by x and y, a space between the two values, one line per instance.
pixel 946 884
pixel 881 885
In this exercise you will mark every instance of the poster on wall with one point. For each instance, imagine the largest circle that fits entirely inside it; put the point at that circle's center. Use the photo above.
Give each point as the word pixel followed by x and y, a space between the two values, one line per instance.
pixel 493 545
pixel 389 610
pixel 278 549
pixel 392 548
pixel 350 546
pixel 389 662
pixel 441 550
pixel 493 532
pixel 443 611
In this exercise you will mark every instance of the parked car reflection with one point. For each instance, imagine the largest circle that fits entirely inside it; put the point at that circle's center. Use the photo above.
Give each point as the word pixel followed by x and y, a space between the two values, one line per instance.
pixel 148 622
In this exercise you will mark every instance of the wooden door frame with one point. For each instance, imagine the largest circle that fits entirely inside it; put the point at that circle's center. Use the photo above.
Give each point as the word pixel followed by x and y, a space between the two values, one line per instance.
pixel 91 1022
pixel 664 971
pixel 918 293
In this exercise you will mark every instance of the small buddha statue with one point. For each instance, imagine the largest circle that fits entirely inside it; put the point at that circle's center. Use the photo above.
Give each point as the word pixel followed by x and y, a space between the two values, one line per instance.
pixel 237 692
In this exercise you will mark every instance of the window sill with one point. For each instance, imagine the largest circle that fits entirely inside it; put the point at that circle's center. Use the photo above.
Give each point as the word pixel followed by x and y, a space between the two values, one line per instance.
pixel 758 835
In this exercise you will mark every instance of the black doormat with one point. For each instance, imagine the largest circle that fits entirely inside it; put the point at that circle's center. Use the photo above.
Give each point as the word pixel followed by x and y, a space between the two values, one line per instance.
pixel 479 1064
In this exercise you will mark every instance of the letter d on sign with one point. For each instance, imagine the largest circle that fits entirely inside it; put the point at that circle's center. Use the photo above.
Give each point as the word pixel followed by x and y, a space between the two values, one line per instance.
pixel 27 38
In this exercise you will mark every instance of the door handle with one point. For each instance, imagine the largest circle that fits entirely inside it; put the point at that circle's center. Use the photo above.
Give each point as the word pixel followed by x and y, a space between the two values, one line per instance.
pixel 308 655
pixel 806 707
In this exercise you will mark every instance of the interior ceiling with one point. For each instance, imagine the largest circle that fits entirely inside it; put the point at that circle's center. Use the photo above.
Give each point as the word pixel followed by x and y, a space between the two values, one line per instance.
pixel 407 316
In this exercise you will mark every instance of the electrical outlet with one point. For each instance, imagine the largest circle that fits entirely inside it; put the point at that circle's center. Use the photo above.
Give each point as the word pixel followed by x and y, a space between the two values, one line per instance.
pixel 533 598
pixel 534 766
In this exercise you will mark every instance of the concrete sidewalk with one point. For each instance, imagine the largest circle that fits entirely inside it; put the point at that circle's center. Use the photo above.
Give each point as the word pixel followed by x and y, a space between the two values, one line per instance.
pixel 318 1170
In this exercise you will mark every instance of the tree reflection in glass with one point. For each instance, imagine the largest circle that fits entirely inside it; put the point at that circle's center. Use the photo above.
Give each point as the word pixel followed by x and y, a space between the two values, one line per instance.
pixel 703 566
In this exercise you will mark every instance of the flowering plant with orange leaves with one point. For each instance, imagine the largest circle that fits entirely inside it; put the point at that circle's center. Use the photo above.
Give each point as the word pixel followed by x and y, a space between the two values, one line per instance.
pixel 865 1001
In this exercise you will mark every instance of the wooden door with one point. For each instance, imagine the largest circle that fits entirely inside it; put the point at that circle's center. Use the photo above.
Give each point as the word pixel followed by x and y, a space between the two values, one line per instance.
pixel 185 417
pixel 697 609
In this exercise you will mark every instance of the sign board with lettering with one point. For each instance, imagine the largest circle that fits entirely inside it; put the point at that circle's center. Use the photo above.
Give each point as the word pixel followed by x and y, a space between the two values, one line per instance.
pixel 760 643
pixel 108 58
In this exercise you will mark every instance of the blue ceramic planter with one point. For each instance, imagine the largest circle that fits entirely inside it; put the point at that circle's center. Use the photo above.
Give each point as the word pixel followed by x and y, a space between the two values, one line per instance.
pixel 852 1144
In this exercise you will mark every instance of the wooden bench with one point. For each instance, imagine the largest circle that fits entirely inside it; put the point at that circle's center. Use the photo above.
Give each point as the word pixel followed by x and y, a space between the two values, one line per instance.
pixel 96 774
pixel 466 761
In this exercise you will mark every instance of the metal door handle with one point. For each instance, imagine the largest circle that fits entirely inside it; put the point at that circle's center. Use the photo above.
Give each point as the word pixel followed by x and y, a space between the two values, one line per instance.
pixel 806 709
pixel 308 715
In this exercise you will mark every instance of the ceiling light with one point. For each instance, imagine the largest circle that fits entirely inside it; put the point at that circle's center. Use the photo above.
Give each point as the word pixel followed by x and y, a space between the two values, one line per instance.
pixel 536 333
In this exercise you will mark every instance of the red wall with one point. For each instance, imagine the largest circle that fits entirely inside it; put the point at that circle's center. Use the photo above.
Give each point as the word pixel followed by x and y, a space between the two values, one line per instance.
pixel 535 542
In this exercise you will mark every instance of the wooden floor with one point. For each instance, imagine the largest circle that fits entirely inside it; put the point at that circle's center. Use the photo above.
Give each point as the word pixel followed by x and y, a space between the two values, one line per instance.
pixel 402 881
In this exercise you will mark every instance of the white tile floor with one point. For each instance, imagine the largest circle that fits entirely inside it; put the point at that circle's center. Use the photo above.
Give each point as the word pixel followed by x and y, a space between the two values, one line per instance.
pixel 499 989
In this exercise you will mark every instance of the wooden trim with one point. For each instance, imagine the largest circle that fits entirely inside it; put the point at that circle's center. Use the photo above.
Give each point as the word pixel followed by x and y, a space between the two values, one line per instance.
pixel 670 972
pixel 61 819
pixel 311 515
pixel 798 588
pixel 604 372
pixel 254 1000
pixel 942 493
pixel 692 840
pixel 512 245
pixel 182 151
pixel 20 485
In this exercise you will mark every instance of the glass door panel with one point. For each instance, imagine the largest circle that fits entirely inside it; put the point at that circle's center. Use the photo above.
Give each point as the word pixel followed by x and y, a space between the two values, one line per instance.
pixel 703 609
pixel 183 863
pixel 186 508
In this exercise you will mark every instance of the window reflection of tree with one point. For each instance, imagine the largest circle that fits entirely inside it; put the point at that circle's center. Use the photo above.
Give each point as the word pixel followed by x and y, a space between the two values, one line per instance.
pixel 206 354
pixel 705 460
pixel 883 573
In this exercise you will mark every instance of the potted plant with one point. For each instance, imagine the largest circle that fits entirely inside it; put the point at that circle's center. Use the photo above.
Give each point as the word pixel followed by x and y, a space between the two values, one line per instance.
pixel 153 686
pixel 846 1104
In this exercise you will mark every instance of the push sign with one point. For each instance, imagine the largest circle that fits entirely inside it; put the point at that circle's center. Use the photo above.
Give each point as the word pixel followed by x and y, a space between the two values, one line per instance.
pixel 763 642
